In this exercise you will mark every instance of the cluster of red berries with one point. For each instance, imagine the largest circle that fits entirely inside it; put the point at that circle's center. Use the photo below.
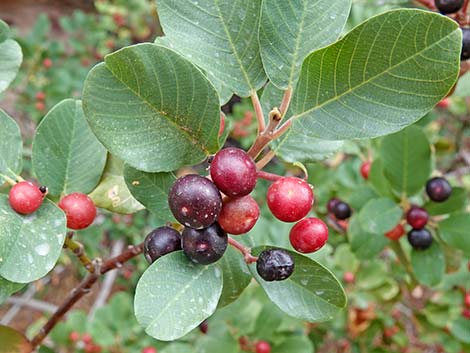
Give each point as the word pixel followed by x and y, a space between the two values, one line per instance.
pixel 85 342
pixel 26 198
pixel 197 203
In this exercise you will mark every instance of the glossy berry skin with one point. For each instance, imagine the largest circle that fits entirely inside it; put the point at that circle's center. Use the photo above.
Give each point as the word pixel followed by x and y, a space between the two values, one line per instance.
pixel 308 235
pixel 25 197
pixel 274 265
pixel 161 241
pixel 204 246
pixel 365 169
pixel 448 6
pixel 149 350
pixel 417 217
pixel 396 233
pixel 438 189
pixel 290 199
pixel 420 239
pixel 195 201
pixel 79 209
pixel 262 347
pixel 342 210
pixel 465 54
pixel 234 172
pixel 331 205
pixel 239 216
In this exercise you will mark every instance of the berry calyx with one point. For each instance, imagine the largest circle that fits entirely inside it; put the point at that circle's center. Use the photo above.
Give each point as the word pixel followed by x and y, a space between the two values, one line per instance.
pixel 204 246
pixel 149 350
pixel 290 199
pixel 274 265
pixel 417 217
pixel 396 233
pixel 195 201
pixel 239 216
pixel 308 235
pixel 25 197
pixel 420 239
pixel 342 210
pixel 331 205
pixel 234 172
pixel 262 347
pixel 448 6
pixel 349 277
pixel 365 169
pixel 79 209
pixel 438 189
pixel 161 241
pixel 465 53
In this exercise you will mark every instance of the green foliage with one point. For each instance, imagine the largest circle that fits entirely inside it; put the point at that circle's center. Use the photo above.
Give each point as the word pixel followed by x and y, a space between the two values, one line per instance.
pixel 429 265
pixel 10 57
pixel 11 147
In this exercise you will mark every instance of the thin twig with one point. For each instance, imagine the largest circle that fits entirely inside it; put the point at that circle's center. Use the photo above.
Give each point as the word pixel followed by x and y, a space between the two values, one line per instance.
pixel 258 112
pixel 15 309
pixel 249 259
pixel 267 135
pixel 35 304
pixel 285 101
pixel 263 162
pixel 78 249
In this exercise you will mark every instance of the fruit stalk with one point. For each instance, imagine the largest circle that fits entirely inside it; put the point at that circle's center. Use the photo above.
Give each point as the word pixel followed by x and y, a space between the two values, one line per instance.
pixel 258 111
pixel 78 249
pixel 249 259
pixel 427 3
pixel 397 248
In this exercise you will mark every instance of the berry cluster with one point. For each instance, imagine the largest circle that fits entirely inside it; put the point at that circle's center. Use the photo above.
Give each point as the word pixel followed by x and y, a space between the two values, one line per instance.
pixel 339 209
pixel 84 342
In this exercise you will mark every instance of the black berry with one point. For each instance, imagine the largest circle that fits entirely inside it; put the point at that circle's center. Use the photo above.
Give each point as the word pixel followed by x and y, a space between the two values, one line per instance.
pixel 204 246
pixel 449 6
pixel 195 201
pixel 420 239
pixel 331 205
pixel 274 265
pixel 465 54
pixel 161 241
pixel 438 189
pixel 342 210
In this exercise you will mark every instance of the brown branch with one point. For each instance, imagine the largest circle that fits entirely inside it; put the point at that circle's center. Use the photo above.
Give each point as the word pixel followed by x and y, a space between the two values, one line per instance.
pixel 78 249
pixel 267 135
pixel 286 101
pixel 249 259
pixel 263 162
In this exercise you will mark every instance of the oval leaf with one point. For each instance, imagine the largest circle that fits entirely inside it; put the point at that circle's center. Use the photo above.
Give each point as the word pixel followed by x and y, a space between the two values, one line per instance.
pixel 174 296
pixel 381 77
pixel 67 157
pixel 379 216
pixel 221 37
pixel 4 31
pixel 30 245
pixel 152 108
pixel 454 231
pixel 311 293
pixel 290 30
pixel 11 147
pixel 11 57
pixel 429 265
pixel 13 341
pixel 364 245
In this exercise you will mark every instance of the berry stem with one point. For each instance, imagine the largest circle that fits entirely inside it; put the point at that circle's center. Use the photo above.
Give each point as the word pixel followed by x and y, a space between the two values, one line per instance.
pixel 266 136
pixel 286 101
pixel 8 179
pixel 263 162
pixel 268 176
pixel 249 259
pixel 398 249
pixel 78 249
pixel 258 112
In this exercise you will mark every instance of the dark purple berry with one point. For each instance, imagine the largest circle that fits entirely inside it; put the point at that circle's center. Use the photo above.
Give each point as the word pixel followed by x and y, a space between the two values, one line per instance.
pixel 448 6
pixel 417 217
pixel 195 201
pixel 342 210
pixel 438 189
pixel 161 241
pixel 204 327
pixel 234 172
pixel 274 265
pixel 204 246
pixel 465 54
pixel 420 239
pixel 331 205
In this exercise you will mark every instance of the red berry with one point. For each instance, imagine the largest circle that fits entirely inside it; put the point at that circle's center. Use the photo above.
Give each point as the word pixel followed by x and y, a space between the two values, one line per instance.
pixel 417 217
pixel 47 63
pixel 40 96
pixel 204 327
pixel 396 233
pixel 238 216
pixel 444 103
pixel 25 197
pixel 262 347
pixel 79 209
pixel 74 336
pixel 119 19
pixel 40 106
pixel 365 169
pixel 466 313
pixel 86 338
pixel 233 171
pixel 349 277
pixel 290 199
pixel 149 350
pixel 308 235
pixel 466 300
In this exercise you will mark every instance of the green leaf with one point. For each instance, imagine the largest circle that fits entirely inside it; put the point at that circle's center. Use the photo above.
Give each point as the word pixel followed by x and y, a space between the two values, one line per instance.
pixel 345 259
pixel 454 231
pixel 268 321
pixel 312 293
pixel 235 274
pixel 30 245
pixel 456 202
pixel 221 37
pixel 377 179
pixel 406 158
pixel 290 30
pixel 10 61
pixel 67 157
pixel 218 339
pixel 152 108
pixel 4 31
pixel 151 190
pixel 429 265
pixel 460 329
pixel 177 347
pixel 13 341
pixel 7 288
pixel 379 216
pixel 174 296
pixel 11 147
pixel 372 275
pixel 112 192
pixel 381 77
pixel 297 344
pixel 364 245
